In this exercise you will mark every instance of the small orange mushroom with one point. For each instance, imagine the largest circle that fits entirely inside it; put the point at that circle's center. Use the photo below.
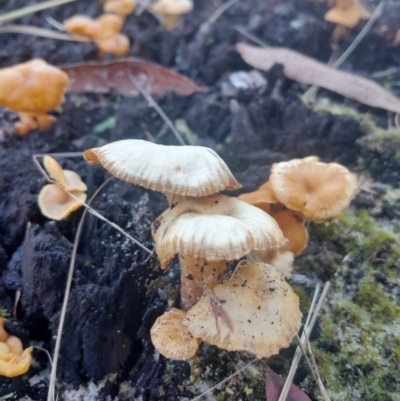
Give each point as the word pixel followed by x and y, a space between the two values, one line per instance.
pixel 262 198
pixel 80 25
pixel 54 200
pixel 292 225
pixel 105 31
pixel 171 10
pixel 120 7
pixel 117 44
pixel 32 89
pixel 14 360
pixel 347 13
pixel 320 191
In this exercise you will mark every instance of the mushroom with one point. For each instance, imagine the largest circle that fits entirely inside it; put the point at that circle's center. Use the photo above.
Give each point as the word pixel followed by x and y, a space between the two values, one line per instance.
pixel 347 13
pixel 32 89
pixel 292 225
pixel 172 338
pixel 186 171
pixel 206 233
pixel 117 44
pixel 80 25
pixel 14 360
pixel 120 7
pixel 54 200
pixel 255 311
pixel 171 10
pixel 104 31
pixel 319 191
pixel 106 26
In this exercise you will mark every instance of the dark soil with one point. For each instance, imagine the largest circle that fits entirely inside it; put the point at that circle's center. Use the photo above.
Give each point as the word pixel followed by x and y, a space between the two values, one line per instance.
pixel 112 307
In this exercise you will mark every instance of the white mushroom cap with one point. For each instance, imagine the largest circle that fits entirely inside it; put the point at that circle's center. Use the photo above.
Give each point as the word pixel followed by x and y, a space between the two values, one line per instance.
pixel 172 338
pixel 181 170
pixel 257 311
pixel 173 7
pixel 66 178
pixel 215 228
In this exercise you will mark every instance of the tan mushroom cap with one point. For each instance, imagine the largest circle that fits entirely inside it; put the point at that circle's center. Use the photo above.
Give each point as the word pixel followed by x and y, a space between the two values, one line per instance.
pixel 14 361
pixel 181 170
pixel 173 7
pixel 79 25
pixel 66 178
pixel 172 338
pixel 320 191
pixel 215 228
pixel 347 13
pixel 293 229
pixel 117 44
pixel 105 26
pixel 34 87
pixel 121 7
pixel 262 198
pixel 260 312
pixel 55 203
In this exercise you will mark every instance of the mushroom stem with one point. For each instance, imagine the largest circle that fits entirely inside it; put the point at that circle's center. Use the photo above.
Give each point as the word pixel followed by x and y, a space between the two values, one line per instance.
pixel 26 123
pixel 198 275
pixel 171 21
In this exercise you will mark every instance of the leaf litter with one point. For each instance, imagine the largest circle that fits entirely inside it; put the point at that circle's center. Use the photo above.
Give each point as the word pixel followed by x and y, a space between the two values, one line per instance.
pixel 118 77
pixel 307 70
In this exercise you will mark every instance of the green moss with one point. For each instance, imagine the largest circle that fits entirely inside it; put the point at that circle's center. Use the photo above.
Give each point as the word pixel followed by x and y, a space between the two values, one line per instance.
pixel 303 297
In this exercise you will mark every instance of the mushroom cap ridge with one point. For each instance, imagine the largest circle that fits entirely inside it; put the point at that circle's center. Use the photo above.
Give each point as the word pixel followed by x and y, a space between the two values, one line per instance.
pixel 181 170
pixel 215 228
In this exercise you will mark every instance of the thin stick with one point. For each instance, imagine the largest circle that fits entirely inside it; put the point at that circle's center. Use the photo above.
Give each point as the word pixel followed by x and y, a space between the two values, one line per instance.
pixel 50 394
pixel 85 205
pixel 311 92
pixel 159 110
pixel 225 380
pixel 46 352
pixel 307 330
pixel 219 11
pixel 250 36
pixel 31 9
pixel 315 366
pixel 375 15
pixel 45 33
pixel 53 22
pixel 305 354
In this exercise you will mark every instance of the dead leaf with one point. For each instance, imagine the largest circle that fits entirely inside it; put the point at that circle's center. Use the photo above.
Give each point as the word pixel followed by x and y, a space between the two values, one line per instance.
pixel 116 77
pixel 274 385
pixel 309 71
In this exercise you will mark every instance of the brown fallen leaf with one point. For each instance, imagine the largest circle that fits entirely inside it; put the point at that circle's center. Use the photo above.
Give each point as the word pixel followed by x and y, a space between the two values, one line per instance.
pixel 274 385
pixel 306 70
pixel 117 77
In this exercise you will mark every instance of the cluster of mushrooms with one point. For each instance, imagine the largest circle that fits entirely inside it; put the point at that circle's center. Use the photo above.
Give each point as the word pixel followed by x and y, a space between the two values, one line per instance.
pixel 253 309
pixel 105 30
pixel 32 89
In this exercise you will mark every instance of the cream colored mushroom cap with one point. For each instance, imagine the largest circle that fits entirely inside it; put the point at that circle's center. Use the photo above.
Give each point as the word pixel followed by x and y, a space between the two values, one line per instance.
pixel 215 228
pixel 173 7
pixel 57 204
pixel 66 178
pixel 321 191
pixel 181 170
pixel 171 338
pixel 261 312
